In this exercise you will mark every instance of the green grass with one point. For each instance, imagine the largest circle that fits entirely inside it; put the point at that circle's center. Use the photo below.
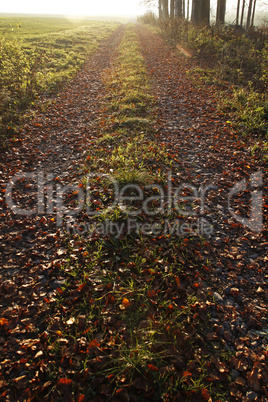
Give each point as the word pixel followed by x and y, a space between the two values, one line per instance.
pixel 39 56
pixel 37 26
pixel 127 134
pixel 123 293
pixel 34 28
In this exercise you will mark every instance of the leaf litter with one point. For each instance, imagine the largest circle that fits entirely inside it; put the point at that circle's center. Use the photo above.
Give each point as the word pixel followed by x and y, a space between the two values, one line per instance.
pixel 103 318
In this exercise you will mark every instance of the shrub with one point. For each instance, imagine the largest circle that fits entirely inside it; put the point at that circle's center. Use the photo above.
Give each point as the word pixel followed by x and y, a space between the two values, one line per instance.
pixel 148 18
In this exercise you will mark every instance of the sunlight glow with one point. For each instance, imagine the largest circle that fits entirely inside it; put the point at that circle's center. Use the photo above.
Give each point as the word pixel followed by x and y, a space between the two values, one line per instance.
pixel 74 7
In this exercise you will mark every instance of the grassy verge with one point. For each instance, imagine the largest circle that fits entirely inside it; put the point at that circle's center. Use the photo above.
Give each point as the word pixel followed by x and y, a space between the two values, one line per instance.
pixel 37 57
pixel 235 64
pixel 130 321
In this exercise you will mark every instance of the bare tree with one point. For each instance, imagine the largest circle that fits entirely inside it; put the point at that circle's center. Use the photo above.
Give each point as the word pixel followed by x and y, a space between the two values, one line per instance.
pixel 249 14
pixel 172 9
pixel 160 9
pixel 221 9
pixel 155 4
pixel 183 8
pixel 237 12
pixel 178 8
pixel 253 13
pixel 188 9
pixel 195 11
pixel 205 14
pixel 242 13
pixel 201 11
pixel 165 9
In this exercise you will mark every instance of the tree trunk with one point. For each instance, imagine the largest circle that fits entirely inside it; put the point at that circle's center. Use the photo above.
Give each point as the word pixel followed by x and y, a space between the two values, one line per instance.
pixel 242 13
pixel 249 14
pixel 201 11
pixel 178 8
pixel 205 11
pixel 183 8
pixel 188 8
pixel 160 10
pixel 195 11
pixel 165 9
pixel 237 12
pixel 172 9
pixel 253 13
pixel 221 8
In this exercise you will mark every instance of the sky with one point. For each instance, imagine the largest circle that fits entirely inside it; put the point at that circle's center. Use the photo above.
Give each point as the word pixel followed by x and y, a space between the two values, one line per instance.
pixel 73 7
pixel 99 7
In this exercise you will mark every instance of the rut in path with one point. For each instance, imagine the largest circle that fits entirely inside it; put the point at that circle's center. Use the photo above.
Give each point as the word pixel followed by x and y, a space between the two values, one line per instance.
pixel 209 154
pixel 55 144
pixel 59 138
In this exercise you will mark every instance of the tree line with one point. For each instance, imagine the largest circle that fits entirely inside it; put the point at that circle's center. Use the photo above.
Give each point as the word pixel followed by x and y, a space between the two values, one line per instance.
pixel 200 11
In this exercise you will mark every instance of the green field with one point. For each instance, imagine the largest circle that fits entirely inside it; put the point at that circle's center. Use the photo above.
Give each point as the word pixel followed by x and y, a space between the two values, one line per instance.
pixel 35 26
pixel 37 56
pixel 30 26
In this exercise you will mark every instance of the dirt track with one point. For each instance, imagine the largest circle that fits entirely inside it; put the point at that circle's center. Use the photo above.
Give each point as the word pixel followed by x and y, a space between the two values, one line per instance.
pixel 210 153
pixel 207 153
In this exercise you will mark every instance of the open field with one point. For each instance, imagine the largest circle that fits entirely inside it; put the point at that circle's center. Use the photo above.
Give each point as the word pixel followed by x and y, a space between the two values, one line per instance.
pixel 29 26
pixel 38 56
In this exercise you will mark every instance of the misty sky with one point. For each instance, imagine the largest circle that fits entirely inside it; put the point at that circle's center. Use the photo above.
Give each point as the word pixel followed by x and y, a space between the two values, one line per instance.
pixel 97 7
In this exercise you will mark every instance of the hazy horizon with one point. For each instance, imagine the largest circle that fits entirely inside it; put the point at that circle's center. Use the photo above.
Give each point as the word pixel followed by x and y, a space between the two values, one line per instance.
pixel 79 8
pixel 114 10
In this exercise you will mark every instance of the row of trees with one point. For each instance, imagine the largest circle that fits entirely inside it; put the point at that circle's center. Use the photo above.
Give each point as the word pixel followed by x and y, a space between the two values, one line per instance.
pixel 200 12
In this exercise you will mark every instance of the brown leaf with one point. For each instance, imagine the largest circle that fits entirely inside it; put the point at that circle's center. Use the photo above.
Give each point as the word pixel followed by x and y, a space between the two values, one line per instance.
pixel 20 382
pixel 126 302
pixel 253 380
pixel 38 354
pixel 222 367
pixel 65 381
pixel 212 336
pixel 239 363
pixel 240 381
pixel 93 344
pixel 151 367
pixel 3 321
pixel 71 321
pixel 234 391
